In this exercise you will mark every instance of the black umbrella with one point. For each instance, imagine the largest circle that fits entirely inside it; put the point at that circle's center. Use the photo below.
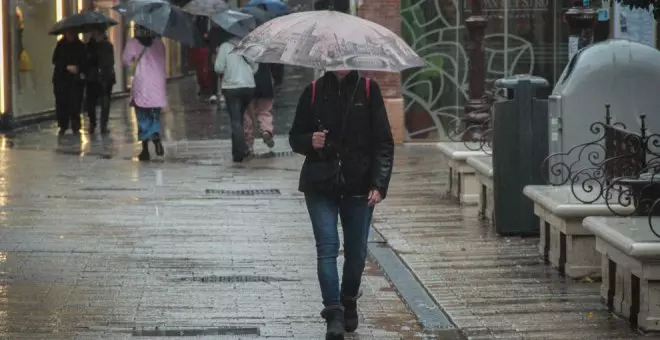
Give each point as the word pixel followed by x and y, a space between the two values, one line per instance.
pixel 162 18
pixel 259 14
pixel 82 22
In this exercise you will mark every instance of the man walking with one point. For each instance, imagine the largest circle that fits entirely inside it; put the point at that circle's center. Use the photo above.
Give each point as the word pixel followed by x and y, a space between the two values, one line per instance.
pixel 237 73
pixel 341 128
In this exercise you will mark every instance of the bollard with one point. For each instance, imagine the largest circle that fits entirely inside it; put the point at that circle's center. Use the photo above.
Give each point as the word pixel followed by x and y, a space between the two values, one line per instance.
pixel 521 135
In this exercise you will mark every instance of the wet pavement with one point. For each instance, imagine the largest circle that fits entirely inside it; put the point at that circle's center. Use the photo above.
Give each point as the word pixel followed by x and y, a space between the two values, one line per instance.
pixel 492 287
pixel 95 245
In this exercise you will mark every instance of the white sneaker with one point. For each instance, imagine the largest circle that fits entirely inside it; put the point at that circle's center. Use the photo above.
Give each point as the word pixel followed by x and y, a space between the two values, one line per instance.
pixel 213 99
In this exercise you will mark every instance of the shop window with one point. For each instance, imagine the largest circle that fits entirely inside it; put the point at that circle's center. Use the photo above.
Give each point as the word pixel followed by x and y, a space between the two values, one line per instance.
pixel 33 49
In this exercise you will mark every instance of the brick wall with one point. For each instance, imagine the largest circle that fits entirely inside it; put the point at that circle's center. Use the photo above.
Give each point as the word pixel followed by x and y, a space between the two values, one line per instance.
pixel 386 13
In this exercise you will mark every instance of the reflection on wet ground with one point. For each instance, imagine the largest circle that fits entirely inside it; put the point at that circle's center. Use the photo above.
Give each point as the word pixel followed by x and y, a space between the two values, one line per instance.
pixel 493 287
pixel 96 246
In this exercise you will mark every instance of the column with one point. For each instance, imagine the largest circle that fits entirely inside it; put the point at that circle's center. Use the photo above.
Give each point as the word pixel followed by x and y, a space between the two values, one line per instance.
pixel 477 109
pixel 388 14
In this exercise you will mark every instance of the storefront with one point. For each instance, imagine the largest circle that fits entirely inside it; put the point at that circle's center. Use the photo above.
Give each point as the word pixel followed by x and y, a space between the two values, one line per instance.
pixel 26 47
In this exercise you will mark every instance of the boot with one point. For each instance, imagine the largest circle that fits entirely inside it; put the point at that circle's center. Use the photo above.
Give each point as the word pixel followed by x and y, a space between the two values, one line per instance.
pixel 334 317
pixel 144 155
pixel 351 318
pixel 160 151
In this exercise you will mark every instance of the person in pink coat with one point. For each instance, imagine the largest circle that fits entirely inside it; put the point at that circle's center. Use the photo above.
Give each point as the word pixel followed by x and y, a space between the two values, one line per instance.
pixel 148 90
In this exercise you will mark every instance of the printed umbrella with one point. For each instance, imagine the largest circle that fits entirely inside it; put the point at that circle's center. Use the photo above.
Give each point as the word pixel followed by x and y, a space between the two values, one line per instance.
pixel 205 7
pixel 235 22
pixel 276 7
pixel 162 18
pixel 329 40
pixel 259 15
pixel 82 22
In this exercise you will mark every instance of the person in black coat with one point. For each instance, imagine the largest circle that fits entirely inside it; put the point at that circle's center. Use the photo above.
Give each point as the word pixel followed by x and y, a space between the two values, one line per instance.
pixel 100 78
pixel 341 128
pixel 69 59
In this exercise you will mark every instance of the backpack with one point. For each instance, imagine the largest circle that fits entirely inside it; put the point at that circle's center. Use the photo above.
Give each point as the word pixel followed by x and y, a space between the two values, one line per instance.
pixel 367 85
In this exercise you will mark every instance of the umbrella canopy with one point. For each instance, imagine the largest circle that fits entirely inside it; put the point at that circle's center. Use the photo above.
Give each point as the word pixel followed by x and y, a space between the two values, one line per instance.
pixel 276 7
pixel 162 18
pixel 329 40
pixel 205 7
pixel 259 15
pixel 82 22
pixel 235 22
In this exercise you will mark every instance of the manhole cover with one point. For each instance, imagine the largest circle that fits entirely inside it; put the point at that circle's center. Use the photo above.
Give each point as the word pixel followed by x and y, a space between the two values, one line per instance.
pixel 198 331
pixel 246 192
pixel 236 279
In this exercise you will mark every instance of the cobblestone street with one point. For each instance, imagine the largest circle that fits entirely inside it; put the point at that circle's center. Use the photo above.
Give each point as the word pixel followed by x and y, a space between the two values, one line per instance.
pixel 95 245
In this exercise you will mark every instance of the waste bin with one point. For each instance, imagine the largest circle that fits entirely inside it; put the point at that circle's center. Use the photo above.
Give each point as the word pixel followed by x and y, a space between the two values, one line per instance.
pixel 520 137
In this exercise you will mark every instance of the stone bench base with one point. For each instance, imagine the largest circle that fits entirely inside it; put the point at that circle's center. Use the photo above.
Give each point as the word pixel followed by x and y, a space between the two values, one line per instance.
pixel 462 178
pixel 630 268
pixel 483 167
pixel 564 242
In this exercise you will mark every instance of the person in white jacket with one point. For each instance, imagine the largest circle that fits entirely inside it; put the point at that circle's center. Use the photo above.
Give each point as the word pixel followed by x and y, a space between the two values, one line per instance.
pixel 237 72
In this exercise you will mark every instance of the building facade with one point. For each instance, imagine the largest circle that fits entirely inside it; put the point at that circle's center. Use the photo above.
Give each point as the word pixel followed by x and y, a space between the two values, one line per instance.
pixel 26 48
pixel 521 37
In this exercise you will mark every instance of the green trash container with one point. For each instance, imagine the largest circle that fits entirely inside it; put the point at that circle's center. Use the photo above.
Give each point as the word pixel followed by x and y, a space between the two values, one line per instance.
pixel 520 138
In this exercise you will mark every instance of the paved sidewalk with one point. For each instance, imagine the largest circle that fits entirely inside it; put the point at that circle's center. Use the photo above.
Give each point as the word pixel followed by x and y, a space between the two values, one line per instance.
pixel 97 248
pixel 95 245
pixel 492 287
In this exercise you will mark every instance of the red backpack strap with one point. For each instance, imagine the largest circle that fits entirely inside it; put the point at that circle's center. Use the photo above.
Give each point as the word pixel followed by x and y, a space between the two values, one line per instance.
pixel 313 92
pixel 368 84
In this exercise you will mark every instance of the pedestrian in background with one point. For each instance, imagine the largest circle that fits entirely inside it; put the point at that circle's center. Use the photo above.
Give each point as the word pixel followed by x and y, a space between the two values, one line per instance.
pixel 145 53
pixel 261 108
pixel 69 59
pixel 100 77
pixel 341 128
pixel 199 57
pixel 238 85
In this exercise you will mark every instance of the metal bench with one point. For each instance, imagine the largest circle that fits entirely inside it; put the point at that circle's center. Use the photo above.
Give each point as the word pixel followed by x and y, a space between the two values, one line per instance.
pixel 483 167
pixel 630 266
pixel 564 242
pixel 585 188
pixel 462 177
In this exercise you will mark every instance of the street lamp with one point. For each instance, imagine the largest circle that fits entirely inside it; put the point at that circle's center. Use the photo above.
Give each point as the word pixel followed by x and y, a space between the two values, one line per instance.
pixel 581 19
pixel 477 109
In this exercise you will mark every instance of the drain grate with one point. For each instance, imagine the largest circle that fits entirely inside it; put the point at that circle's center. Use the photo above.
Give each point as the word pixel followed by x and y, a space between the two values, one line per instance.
pixel 236 279
pixel 274 154
pixel 199 331
pixel 245 192
pixel 111 189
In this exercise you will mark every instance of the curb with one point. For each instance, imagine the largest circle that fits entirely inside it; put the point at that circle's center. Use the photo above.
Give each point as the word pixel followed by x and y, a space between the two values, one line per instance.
pixel 428 312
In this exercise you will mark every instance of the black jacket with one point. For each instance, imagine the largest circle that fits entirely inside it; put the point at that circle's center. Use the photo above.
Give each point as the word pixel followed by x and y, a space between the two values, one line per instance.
pixel 69 53
pixel 100 63
pixel 365 146
pixel 264 82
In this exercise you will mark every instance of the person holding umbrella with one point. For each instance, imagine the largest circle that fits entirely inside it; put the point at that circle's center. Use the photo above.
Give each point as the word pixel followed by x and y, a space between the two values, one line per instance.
pixel 342 129
pixel 100 78
pixel 69 62
pixel 145 53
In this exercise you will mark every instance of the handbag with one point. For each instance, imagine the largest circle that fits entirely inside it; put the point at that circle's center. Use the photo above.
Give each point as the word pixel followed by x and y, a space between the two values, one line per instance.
pixel 25 63
pixel 135 63
pixel 328 171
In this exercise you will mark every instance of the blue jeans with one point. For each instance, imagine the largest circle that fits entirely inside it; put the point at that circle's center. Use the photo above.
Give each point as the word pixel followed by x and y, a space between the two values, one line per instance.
pixel 355 216
pixel 148 120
